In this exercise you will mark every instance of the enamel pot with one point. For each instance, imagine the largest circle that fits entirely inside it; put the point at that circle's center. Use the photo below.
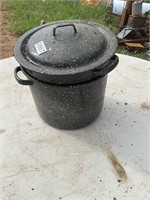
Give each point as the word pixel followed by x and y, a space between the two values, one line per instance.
pixel 66 64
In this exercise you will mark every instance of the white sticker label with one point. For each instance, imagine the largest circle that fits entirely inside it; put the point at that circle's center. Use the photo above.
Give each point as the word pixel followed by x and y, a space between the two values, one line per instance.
pixel 40 47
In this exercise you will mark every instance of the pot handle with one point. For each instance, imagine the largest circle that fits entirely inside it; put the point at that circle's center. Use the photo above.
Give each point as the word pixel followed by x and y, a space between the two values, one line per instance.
pixel 54 29
pixel 19 80
pixel 109 67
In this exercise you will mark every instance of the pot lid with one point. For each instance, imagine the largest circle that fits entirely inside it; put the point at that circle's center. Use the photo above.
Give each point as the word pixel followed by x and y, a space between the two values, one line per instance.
pixel 65 47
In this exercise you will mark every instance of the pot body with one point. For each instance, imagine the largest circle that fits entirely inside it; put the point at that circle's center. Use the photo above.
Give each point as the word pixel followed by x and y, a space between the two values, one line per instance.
pixel 69 106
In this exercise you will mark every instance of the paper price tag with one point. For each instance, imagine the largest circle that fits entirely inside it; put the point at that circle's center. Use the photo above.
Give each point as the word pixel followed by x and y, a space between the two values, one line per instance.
pixel 40 47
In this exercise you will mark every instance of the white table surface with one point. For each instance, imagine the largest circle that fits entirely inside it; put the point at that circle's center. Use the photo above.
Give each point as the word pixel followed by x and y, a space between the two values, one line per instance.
pixel 108 160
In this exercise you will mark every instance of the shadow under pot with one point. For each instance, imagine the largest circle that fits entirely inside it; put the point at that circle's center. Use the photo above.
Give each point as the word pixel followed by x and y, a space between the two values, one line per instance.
pixel 66 64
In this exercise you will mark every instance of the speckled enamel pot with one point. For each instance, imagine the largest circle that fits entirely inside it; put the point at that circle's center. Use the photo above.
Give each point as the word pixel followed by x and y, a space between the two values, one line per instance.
pixel 66 64
pixel 67 106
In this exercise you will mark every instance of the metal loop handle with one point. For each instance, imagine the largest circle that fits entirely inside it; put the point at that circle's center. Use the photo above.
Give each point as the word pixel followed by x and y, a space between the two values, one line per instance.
pixel 19 80
pixel 59 26
pixel 109 67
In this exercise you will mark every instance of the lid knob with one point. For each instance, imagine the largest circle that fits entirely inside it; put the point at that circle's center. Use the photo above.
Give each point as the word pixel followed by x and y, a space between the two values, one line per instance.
pixel 64 25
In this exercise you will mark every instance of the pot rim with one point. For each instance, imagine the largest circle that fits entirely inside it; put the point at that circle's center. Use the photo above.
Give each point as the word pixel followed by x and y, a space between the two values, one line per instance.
pixel 59 84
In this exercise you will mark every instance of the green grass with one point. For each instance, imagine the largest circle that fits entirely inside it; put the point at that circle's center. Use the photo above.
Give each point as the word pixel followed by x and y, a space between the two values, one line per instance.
pixel 135 52
pixel 26 14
